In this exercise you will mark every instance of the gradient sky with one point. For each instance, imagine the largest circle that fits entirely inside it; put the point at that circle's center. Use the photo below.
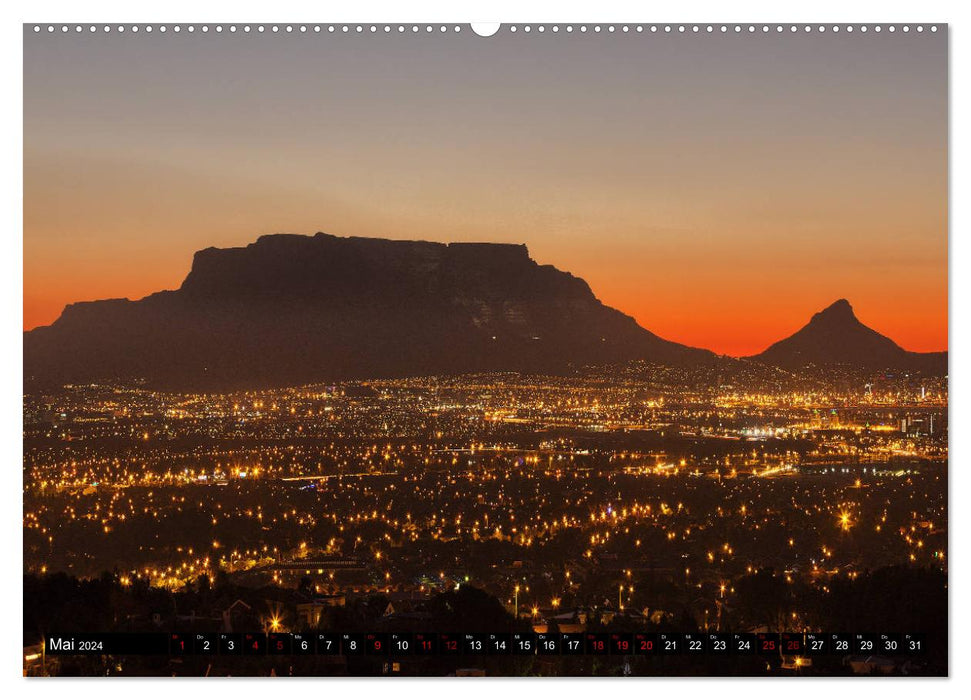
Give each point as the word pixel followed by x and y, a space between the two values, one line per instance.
pixel 718 188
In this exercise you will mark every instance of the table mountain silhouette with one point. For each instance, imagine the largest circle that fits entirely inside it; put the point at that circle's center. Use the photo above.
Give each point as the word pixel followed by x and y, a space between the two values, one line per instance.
pixel 291 310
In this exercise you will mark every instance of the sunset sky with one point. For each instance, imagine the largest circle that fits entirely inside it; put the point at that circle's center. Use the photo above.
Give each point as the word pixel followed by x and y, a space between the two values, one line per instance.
pixel 718 188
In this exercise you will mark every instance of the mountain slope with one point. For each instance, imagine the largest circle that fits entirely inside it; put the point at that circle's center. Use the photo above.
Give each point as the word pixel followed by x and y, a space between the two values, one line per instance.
pixel 290 310
pixel 835 336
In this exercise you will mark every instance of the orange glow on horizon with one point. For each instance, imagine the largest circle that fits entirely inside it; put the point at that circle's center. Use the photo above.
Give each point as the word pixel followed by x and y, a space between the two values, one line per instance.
pixel 735 322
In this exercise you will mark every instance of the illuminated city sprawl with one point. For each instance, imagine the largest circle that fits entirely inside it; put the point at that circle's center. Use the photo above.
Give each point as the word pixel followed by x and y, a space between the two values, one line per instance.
pixel 612 490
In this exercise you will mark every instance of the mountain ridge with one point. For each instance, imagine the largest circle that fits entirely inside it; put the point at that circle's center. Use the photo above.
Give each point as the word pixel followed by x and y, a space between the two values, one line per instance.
pixel 835 336
pixel 290 309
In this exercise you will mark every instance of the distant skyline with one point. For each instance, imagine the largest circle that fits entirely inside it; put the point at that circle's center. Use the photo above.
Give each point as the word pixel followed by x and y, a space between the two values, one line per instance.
pixel 719 188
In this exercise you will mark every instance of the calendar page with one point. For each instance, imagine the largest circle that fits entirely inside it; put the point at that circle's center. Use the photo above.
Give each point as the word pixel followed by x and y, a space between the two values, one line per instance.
pixel 485 350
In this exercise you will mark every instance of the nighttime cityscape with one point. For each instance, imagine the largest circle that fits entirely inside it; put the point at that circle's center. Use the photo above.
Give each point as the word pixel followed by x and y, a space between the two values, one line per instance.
pixel 573 350
pixel 628 498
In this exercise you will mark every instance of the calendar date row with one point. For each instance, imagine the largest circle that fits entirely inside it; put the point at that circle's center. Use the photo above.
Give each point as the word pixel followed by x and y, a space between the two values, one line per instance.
pixel 485 643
